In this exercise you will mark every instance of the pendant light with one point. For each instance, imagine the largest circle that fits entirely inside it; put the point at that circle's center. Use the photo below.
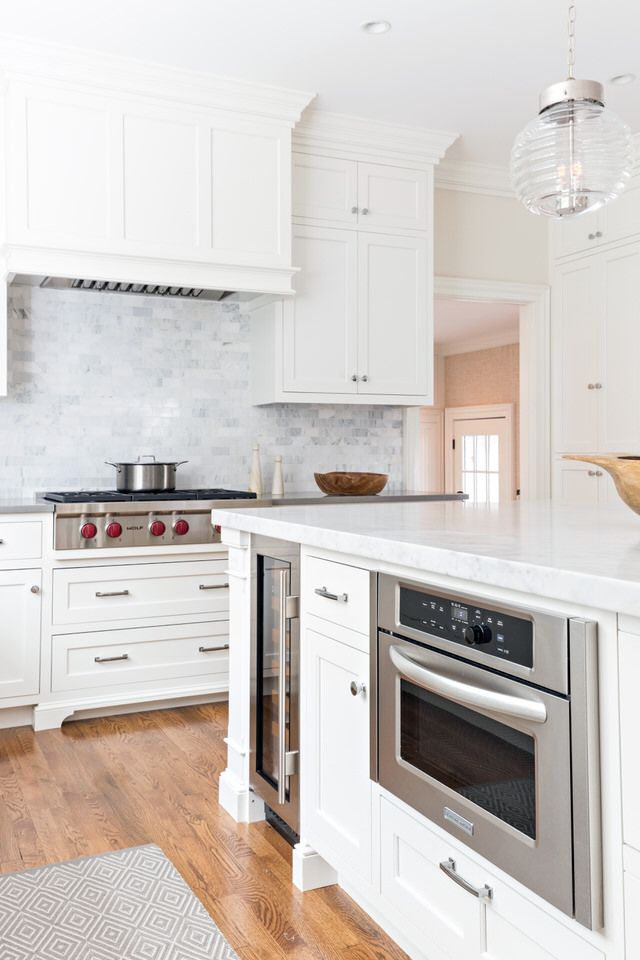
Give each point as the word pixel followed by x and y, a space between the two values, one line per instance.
pixel 575 156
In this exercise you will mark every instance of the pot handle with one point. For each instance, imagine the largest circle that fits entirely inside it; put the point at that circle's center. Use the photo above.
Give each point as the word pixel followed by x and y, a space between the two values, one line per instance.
pixel 180 462
pixel 146 456
pixel 110 464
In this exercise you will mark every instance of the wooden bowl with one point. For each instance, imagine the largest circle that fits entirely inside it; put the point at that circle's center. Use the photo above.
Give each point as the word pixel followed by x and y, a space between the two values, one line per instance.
pixel 625 471
pixel 348 484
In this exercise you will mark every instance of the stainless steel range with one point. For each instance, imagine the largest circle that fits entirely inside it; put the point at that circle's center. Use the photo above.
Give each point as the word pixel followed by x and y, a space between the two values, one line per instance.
pixel 100 519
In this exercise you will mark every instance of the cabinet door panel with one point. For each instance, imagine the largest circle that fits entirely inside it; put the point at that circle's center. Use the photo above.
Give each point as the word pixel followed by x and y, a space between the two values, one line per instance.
pixel 576 330
pixel 393 197
pixel 577 234
pixel 621 219
pixel 161 203
pixel 325 188
pixel 395 322
pixel 619 398
pixel 250 194
pixel 629 655
pixel 58 166
pixel 320 323
pixel 339 816
pixel 576 483
pixel 20 633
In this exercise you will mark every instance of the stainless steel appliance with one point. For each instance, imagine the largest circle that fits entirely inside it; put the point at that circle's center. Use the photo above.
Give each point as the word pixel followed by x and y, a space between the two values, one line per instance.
pixel 100 519
pixel 154 476
pixel 487 723
pixel 275 674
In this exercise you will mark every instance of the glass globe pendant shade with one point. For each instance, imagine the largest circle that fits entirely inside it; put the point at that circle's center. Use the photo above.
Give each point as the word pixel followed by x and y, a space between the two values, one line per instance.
pixel 575 156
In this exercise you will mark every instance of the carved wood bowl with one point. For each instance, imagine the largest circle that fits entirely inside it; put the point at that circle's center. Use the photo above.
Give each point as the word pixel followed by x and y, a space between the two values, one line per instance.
pixel 351 484
pixel 625 471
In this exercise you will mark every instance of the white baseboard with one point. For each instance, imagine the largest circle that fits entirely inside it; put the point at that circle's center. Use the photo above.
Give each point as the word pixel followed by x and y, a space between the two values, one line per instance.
pixel 238 799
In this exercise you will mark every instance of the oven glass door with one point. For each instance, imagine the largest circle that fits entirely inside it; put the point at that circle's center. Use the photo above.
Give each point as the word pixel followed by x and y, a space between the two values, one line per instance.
pixel 480 758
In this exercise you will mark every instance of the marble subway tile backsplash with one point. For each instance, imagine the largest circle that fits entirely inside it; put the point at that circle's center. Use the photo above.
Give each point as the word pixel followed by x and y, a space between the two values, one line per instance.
pixel 95 377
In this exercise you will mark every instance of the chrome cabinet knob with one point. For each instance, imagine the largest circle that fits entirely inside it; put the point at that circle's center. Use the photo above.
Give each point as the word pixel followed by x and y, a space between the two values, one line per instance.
pixel 598 234
pixel 35 589
pixel 364 378
pixel 595 473
pixel 357 688
pixel 354 209
pixel 597 386
pixel 364 211
pixel 591 386
pixel 592 236
pixel 355 377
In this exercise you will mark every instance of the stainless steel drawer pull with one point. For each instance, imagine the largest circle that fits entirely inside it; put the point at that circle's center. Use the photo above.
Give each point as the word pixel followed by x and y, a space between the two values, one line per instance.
pixel 113 593
pixel 123 656
pixel 222 646
pixel 482 893
pixel 357 687
pixel 340 597
pixel 213 586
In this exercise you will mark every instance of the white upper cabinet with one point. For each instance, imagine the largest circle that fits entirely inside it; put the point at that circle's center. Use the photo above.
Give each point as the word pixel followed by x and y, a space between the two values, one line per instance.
pixel 395 336
pixel 124 172
pixel 372 196
pixel 321 321
pixel 616 222
pixel 392 197
pixel 325 189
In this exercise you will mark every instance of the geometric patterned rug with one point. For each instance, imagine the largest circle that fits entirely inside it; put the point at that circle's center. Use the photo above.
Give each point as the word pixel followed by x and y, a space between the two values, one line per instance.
pixel 126 905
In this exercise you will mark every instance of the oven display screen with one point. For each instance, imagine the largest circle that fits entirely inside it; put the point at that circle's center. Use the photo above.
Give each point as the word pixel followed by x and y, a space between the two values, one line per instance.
pixel 459 613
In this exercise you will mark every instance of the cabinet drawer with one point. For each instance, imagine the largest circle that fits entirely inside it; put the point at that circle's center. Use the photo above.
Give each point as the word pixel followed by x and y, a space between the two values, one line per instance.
pixel 20 541
pixel 338 593
pixel 110 658
pixel 94 595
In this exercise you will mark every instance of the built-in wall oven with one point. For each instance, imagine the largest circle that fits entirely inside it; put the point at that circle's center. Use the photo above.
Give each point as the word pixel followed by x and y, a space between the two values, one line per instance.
pixel 487 723
pixel 275 675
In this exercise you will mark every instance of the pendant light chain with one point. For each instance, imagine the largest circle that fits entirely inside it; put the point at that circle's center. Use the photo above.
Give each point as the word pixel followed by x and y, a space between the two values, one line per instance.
pixel 571 56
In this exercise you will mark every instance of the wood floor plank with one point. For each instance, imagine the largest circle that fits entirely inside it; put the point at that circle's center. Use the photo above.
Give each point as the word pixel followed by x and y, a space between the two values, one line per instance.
pixel 100 785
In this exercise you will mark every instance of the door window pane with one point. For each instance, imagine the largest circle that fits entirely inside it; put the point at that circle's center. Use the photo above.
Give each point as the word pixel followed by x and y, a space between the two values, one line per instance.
pixel 485 761
pixel 481 467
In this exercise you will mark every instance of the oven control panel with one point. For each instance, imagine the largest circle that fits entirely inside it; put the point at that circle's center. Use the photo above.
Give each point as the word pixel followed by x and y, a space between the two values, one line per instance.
pixel 498 634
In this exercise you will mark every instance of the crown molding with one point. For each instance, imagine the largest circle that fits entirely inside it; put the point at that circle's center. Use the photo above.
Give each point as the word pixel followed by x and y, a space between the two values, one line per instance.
pixel 475 344
pixel 25 59
pixel 346 136
pixel 470 177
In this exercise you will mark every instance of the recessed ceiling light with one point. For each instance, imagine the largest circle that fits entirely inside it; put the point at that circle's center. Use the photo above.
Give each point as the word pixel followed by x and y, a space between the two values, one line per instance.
pixel 376 26
pixel 621 79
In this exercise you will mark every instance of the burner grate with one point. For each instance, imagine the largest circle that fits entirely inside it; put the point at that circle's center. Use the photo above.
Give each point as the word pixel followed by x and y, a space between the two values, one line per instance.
pixel 115 496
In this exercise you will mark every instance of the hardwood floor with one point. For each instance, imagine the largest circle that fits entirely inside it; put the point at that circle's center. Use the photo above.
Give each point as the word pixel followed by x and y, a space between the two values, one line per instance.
pixel 99 785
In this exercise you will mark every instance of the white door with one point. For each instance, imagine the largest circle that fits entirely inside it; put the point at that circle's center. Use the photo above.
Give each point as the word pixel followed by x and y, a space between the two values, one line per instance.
pixel 325 188
pixel 481 453
pixel 338 823
pixel 618 382
pixel 320 323
pixel 576 312
pixel 392 197
pixel 20 633
pixel 395 322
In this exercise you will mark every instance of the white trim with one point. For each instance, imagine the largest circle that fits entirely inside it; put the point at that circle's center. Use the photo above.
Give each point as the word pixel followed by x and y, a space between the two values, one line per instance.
pixel 22 57
pixel 469 177
pixel 535 400
pixel 341 135
pixel 488 411
pixel 478 343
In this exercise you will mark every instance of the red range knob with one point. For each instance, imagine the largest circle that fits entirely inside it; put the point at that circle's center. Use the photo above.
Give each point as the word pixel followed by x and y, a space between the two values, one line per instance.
pixel 157 528
pixel 181 527
pixel 88 531
pixel 217 529
pixel 114 529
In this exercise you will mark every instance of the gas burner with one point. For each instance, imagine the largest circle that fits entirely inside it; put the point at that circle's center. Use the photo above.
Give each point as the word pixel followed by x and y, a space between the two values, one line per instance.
pixel 115 496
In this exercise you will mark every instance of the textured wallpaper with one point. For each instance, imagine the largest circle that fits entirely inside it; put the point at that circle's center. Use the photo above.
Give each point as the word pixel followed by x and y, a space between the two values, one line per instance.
pixel 95 377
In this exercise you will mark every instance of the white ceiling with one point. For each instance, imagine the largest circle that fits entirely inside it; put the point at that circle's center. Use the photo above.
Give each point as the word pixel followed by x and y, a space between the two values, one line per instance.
pixel 474 67
pixel 463 321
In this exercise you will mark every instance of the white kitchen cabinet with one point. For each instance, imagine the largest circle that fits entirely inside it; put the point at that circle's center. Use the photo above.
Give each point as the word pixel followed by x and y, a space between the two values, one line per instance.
pixel 20 606
pixel 629 670
pixel 631 902
pixel 334 690
pixel 586 483
pixel 320 325
pixel 359 329
pixel 617 222
pixel 596 345
pixel 395 335
pixel 372 196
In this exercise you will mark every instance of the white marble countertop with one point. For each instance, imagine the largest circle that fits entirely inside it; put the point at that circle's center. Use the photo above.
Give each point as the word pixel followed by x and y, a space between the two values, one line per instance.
pixel 589 555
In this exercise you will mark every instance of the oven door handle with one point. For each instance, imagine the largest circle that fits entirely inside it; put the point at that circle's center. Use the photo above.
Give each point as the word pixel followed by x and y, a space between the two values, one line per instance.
pixel 466 694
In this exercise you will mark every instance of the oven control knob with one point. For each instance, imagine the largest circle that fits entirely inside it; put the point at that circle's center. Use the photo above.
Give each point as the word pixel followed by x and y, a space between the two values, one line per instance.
pixel 114 529
pixel 181 527
pixel 157 528
pixel 477 634
pixel 88 531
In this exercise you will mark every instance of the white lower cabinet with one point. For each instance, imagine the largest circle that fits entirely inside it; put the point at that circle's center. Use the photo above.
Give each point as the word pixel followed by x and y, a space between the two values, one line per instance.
pixel 579 482
pixel 20 609
pixel 336 773
pixel 632 902
pixel 448 923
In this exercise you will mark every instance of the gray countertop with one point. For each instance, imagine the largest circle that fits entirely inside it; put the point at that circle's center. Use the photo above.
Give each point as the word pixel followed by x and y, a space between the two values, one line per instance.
pixel 24 505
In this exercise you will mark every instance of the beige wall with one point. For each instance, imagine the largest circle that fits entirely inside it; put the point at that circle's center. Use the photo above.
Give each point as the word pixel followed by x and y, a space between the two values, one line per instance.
pixel 483 377
pixel 488 238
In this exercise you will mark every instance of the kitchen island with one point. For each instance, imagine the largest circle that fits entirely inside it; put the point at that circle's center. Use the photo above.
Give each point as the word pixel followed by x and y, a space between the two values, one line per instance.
pixel 564 565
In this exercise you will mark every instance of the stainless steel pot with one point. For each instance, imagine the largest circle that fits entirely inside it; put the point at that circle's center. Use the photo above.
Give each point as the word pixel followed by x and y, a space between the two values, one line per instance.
pixel 138 477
